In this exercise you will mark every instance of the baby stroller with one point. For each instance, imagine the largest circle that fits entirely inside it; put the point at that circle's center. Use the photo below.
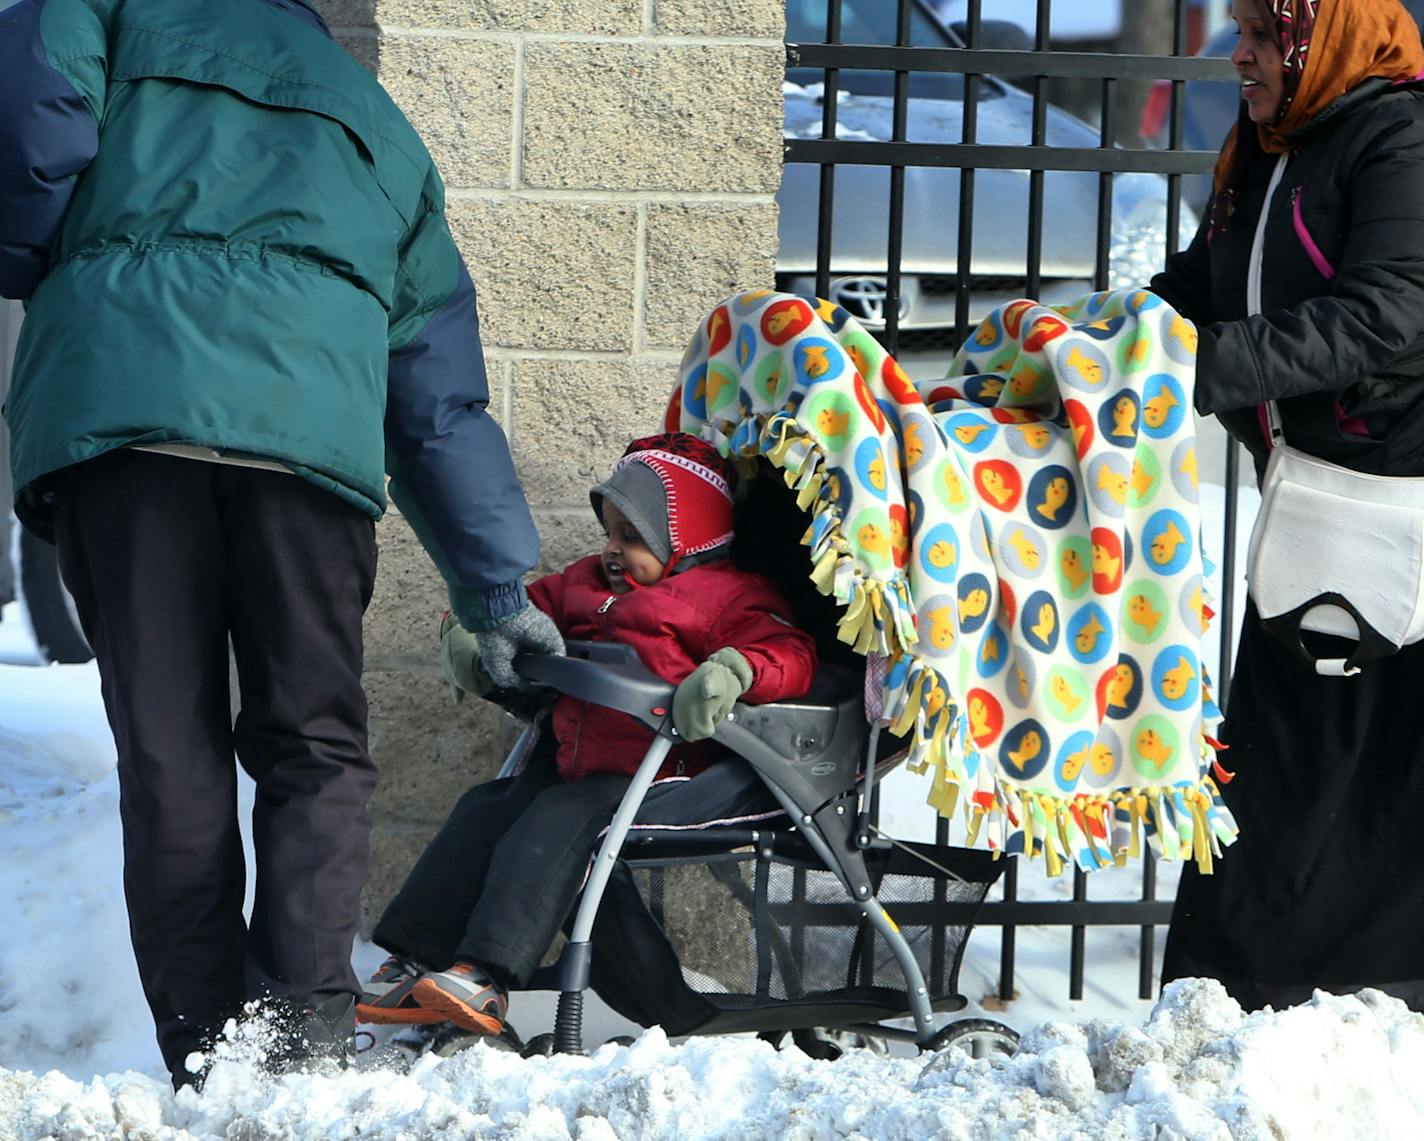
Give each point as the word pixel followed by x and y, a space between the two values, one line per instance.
pixel 760 896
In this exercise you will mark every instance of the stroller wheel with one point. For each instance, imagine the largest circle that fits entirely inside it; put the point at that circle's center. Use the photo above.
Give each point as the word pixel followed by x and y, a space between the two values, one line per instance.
pixel 445 1039
pixel 825 1044
pixel 540 1046
pixel 452 1040
pixel 980 1037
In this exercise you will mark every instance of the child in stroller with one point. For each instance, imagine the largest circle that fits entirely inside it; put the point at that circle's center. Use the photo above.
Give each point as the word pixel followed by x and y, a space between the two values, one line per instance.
pixel 486 899
pixel 757 897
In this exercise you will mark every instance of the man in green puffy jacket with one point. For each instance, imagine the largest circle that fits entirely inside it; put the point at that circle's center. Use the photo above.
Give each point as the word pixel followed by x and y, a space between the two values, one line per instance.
pixel 244 310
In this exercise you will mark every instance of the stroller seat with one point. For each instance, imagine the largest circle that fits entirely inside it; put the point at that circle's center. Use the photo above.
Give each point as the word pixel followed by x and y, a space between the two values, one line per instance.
pixel 730 793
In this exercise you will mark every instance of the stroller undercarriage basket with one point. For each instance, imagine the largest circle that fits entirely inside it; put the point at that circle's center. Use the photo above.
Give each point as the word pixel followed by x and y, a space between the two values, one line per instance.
pixel 763 937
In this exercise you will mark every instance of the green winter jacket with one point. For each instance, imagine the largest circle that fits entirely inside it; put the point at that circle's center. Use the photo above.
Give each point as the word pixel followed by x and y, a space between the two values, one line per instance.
pixel 228 235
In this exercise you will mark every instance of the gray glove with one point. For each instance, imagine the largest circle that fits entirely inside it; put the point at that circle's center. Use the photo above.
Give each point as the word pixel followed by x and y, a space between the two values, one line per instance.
pixel 460 661
pixel 706 695
pixel 530 631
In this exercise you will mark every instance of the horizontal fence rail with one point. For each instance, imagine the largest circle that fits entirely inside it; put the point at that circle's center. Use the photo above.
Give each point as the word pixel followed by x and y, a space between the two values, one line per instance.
pixel 986 61
pixel 1112 160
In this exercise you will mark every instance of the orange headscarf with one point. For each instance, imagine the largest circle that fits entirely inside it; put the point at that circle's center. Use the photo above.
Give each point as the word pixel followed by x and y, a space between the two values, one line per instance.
pixel 1329 47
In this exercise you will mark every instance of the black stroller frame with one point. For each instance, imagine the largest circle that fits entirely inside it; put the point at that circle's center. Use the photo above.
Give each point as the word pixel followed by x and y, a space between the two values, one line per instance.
pixel 817 757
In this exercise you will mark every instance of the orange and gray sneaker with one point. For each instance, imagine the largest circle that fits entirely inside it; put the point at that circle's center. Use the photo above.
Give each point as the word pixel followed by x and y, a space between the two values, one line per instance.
pixel 464 995
pixel 387 999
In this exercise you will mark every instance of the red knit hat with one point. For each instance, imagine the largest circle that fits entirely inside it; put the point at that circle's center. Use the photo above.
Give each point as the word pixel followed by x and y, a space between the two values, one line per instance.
pixel 693 519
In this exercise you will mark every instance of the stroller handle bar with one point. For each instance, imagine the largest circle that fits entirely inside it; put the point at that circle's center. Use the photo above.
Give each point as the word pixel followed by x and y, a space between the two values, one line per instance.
pixel 608 674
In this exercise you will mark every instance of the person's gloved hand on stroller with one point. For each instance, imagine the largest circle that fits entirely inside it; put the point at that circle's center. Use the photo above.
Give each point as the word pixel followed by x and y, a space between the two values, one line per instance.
pixel 707 694
pixel 484 660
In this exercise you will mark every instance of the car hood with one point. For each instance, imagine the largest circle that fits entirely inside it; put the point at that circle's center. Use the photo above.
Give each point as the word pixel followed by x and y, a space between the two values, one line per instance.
pixel 1005 118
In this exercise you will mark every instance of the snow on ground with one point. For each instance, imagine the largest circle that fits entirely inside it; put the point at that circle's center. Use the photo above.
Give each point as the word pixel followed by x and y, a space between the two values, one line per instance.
pixel 77 1058
pixel 1197 1068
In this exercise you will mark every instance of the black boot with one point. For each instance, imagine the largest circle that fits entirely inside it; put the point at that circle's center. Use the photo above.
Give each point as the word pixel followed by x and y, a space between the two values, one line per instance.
pixel 318 1033
pixel 188 1038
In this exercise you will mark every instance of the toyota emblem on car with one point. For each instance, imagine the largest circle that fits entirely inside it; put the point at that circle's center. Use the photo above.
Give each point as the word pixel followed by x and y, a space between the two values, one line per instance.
pixel 864 298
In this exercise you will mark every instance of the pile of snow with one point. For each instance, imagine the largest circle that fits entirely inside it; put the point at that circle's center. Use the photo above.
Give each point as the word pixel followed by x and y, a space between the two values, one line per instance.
pixel 1198 1068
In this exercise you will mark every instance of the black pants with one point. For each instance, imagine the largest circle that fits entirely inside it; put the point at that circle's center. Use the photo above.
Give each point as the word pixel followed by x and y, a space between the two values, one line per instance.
pixel 1325 887
pixel 167 560
pixel 500 877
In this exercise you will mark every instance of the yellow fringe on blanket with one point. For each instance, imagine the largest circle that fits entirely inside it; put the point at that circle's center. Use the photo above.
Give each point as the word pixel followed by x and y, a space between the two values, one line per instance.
pixel 868 623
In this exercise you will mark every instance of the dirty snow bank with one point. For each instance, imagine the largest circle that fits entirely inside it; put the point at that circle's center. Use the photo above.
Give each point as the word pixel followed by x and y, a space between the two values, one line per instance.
pixel 1198 1068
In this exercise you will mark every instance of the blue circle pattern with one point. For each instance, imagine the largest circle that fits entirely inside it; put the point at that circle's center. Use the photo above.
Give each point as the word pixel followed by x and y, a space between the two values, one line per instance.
pixel 1163 402
pixel 818 361
pixel 1052 506
pixel 1038 621
pixel 1168 537
pixel 746 346
pixel 1090 634
pixel 948 571
pixel 1176 678
pixel 968 585
pixel 1080 742
pixel 869 451
pixel 1026 750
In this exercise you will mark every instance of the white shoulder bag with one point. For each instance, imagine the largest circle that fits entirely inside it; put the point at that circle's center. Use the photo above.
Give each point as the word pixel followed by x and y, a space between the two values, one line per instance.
pixel 1333 551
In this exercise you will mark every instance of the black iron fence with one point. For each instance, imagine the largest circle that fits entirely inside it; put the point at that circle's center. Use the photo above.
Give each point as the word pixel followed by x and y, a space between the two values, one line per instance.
pixel 898 57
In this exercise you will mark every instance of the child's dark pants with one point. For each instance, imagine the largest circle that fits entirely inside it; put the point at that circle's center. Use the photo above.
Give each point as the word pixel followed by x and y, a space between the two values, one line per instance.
pixel 500 877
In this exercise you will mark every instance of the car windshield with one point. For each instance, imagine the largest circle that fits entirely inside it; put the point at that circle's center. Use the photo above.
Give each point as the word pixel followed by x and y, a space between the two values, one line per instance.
pixel 874 22
pixel 863 22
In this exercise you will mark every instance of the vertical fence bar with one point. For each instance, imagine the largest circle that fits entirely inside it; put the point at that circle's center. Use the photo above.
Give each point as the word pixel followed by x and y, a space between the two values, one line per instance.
pixel 964 270
pixel 1174 134
pixel 1043 21
pixel 1008 936
pixel 1077 955
pixel 896 242
pixel 939 949
pixel 1147 952
pixel 1033 285
pixel 1105 188
pixel 1147 934
pixel 830 95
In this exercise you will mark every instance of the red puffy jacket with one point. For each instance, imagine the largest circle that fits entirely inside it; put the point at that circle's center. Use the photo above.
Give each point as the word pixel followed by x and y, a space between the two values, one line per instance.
pixel 674 625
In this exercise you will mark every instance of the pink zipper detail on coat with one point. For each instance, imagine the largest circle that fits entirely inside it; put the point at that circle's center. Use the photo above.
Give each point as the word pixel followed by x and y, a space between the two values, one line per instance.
pixel 1355 425
pixel 1321 262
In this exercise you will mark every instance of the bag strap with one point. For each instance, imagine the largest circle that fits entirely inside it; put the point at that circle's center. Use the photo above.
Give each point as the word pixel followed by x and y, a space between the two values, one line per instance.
pixel 1287 627
pixel 1273 424
pixel 1253 285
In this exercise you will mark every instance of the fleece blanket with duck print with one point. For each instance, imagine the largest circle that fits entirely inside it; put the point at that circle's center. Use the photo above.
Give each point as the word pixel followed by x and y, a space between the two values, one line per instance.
pixel 1017 548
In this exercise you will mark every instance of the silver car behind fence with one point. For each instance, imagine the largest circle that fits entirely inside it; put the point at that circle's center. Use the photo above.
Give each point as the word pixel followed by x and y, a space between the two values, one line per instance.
pixel 861 215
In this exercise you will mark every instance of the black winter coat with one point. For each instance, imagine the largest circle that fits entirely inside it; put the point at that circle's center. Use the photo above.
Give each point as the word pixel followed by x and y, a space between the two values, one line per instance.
pixel 1340 338
pixel 1325 887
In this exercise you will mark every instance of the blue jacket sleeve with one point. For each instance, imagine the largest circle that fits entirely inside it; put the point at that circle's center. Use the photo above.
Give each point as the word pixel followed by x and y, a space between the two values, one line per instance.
pixel 49 127
pixel 451 472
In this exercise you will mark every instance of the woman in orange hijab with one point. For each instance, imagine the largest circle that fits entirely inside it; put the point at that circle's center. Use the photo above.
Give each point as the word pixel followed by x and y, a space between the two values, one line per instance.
pixel 1306 282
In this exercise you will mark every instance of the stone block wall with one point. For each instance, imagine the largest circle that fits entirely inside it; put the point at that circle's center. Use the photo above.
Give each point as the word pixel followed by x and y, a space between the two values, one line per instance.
pixel 611 167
